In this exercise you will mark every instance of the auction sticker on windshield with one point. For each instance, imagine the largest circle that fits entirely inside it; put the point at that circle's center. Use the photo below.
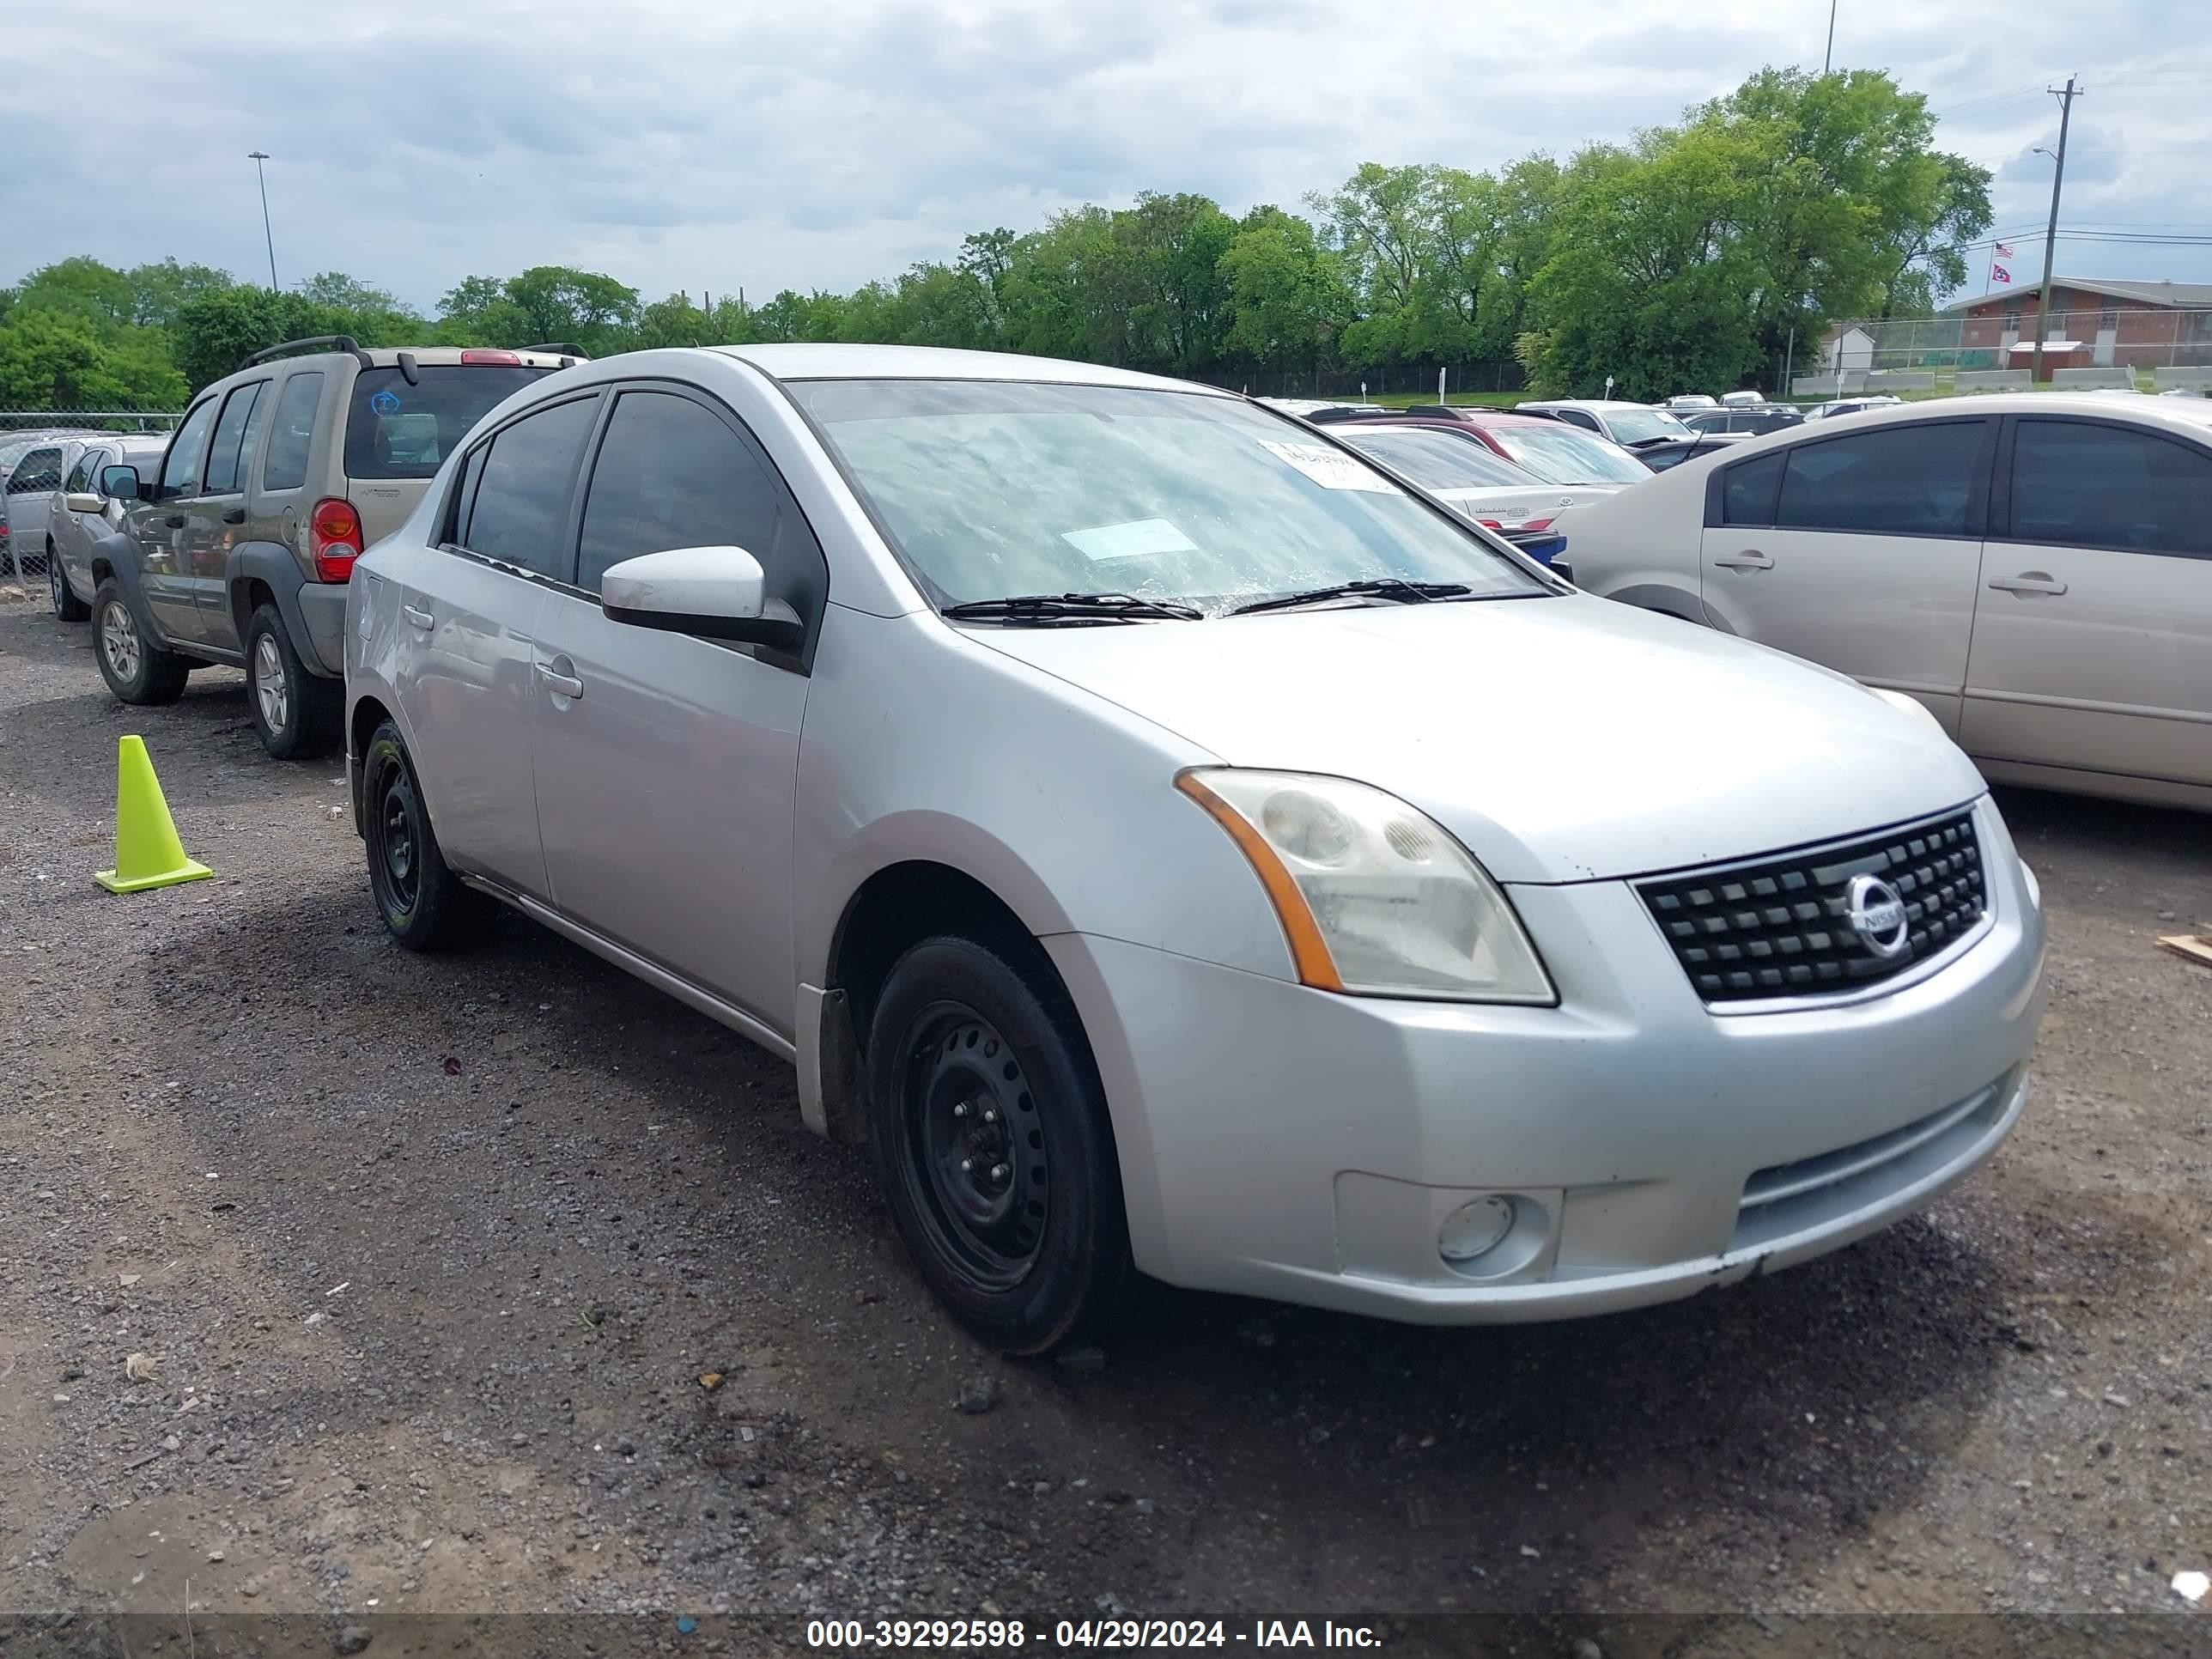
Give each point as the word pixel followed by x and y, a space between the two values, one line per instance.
pixel 1331 469
pixel 1140 538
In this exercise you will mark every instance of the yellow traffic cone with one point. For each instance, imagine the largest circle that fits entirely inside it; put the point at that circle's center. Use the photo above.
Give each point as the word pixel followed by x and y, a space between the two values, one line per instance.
pixel 147 851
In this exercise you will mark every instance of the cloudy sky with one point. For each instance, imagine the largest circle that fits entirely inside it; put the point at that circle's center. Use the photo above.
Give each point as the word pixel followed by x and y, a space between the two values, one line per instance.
pixel 776 143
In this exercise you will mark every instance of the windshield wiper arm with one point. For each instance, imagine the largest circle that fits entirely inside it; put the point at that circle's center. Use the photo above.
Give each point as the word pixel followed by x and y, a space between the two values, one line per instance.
pixel 1395 588
pixel 1072 607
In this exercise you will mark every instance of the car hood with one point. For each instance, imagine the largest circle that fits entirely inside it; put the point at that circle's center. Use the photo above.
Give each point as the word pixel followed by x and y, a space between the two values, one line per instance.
pixel 1562 740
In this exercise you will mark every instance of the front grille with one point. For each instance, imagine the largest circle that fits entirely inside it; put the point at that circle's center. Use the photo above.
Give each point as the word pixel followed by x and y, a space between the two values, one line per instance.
pixel 1778 926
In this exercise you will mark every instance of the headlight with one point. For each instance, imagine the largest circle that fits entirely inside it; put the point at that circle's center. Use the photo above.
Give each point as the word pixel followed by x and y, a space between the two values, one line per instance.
pixel 1374 897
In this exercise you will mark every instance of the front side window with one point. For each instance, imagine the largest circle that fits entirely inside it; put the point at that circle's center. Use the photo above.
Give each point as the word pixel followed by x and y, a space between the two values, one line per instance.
pixel 671 474
pixel 292 431
pixel 235 436
pixel 522 502
pixel 989 490
pixel 180 467
pixel 395 430
pixel 37 473
pixel 1436 460
pixel 1916 479
pixel 86 469
pixel 2078 484
pixel 1559 456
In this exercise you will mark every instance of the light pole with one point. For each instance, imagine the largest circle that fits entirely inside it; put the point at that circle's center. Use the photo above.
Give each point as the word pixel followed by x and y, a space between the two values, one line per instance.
pixel 1829 60
pixel 258 156
pixel 2051 235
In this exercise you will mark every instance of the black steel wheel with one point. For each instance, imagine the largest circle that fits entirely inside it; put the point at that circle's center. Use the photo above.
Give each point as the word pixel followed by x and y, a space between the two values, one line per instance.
pixel 994 1143
pixel 425 906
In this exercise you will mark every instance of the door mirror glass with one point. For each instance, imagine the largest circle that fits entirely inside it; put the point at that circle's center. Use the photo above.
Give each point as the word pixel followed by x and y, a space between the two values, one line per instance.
pixel 82 501
pixel 120 483
pixel 716 592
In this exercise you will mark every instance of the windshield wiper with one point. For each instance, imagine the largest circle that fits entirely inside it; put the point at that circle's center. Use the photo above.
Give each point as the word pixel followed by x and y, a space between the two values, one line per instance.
pixel 1396 589
pixel 1048 608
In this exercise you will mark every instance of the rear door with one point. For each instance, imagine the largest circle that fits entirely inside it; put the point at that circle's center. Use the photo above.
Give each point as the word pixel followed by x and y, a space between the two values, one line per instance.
pixel 162 525
pixel 1860 551
pixel 215 518
pixel 667 766
pixel 468 613
pixel 2092 628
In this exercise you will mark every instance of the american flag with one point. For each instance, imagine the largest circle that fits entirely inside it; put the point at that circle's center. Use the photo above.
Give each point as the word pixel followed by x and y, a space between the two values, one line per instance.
pixel 2004 251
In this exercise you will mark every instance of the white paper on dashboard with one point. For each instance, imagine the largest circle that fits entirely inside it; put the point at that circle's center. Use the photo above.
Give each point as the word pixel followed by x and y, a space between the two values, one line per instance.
pixel 1331 469
pixel 1139 539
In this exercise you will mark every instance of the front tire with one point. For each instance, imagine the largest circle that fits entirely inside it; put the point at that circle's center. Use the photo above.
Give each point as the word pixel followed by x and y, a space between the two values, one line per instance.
pixel 994 1145
pixel 425 906
pixel 137 671
pixel 296 714
pixel 67 606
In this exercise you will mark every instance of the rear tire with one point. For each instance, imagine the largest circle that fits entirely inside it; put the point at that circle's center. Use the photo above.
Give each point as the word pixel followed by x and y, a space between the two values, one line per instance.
pixel 993 1143
pixel 298 715
pixel 67 606
pixel 425 906
pixel 137 671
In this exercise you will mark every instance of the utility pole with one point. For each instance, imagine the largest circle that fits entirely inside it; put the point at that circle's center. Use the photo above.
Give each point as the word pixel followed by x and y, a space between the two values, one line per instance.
pixel 258 156
pixel 1828 62
pixel 2050 234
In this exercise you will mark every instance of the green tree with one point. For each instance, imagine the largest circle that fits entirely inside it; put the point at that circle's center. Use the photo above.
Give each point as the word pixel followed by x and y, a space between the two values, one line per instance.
pixel 50 359
pixel 1288 300
pixel 159 290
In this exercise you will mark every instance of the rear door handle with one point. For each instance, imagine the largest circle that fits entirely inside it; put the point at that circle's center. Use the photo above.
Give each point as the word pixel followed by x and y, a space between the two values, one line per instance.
pixel 2029 582
pixel 1750 559
pixel 418 618
pixel 235 515
pixel 560 680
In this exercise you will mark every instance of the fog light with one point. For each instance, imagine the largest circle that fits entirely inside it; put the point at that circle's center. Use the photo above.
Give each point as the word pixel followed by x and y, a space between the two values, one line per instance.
pixel 1474 1229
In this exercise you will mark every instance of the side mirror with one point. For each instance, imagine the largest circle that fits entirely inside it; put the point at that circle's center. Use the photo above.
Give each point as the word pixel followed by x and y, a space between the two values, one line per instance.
pixel 715 593
pixel 82 501
pixel 120 483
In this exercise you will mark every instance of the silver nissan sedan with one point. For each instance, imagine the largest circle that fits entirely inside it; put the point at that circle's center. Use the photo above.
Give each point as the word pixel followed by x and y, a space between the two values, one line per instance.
pixel 1173 845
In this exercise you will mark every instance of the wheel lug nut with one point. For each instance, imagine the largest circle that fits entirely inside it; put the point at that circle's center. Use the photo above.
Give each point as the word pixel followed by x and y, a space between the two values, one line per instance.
pixel 990 1115
pixel 961 1110
pixel 967 1165
pixel 999 1172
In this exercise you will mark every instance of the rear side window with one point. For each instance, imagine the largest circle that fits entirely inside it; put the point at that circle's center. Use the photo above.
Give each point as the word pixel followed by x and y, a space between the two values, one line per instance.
pixel 1914 480
pixel 37 473
pixel 1748 492
pixel 180 468
pixel 395 430
pixel 672 474
pixel 236 434
pixel 2076 484
pixel 522 502
pixel 292 431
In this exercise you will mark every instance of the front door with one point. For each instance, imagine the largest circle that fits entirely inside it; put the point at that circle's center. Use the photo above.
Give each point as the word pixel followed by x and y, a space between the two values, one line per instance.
pixel 1858 551
pixel 2093 630
pixel 667 766
pixel 161 526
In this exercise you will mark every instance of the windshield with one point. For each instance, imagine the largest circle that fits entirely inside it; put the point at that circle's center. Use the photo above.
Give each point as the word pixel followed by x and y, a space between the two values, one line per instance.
pixel 401 431
pixel 988 489
pixel 1437 460
pixel 1634 426
pixel 1561 455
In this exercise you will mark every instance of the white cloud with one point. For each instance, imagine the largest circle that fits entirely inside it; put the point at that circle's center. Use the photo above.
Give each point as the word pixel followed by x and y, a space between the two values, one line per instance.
pixel 825 142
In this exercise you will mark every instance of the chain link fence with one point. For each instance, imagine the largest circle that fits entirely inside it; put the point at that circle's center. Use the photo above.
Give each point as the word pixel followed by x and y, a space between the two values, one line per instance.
pixel 1991 347
pixel 37 446
pixel 1391 379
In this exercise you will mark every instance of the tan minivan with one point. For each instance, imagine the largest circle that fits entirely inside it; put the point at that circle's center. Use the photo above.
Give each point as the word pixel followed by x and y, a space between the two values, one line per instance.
pixel 238 549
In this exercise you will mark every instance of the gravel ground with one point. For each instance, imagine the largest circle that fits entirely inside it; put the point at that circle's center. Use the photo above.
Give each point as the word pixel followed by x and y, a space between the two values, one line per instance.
pixel 502 1283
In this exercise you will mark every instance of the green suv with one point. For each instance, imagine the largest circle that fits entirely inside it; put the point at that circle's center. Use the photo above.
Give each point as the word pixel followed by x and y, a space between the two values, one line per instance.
pixel 239 548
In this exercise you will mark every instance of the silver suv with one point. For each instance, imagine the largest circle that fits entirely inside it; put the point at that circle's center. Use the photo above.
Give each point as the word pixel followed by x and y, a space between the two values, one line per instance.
pixel 238 546
pixel 1120 801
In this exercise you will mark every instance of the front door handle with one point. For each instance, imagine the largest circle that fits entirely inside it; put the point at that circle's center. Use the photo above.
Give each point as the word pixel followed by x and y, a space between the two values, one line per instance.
pixel 1750 559
pixel 2029 581
pixel 561 679
pixel 235 515
pixel 175 521
pixel 417 618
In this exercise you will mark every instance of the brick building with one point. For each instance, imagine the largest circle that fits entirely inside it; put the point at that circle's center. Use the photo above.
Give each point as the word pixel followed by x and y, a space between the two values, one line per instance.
pixel 2098 323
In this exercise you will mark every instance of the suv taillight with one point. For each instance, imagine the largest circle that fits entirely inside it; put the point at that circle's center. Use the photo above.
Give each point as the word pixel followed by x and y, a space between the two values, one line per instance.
pixel 334 534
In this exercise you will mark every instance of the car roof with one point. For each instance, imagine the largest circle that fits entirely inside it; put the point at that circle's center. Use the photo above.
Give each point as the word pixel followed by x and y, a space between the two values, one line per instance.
pixel 2192 415
pixel 898 362
pixel 1601 405
pixel 1470 415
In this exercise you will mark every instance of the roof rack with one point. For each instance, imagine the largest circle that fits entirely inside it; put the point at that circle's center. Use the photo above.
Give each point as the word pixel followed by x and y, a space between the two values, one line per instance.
pixel 345 342
pixel 560 348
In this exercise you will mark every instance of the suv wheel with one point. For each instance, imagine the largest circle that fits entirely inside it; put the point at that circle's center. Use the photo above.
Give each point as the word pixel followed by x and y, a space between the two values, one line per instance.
pixel 993 1144
pixel 425 906
pixel 296 714
pixel 67 605
pixel 136 669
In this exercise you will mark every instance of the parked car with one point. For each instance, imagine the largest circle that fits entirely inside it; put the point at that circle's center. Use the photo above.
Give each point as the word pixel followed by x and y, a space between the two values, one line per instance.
pixel 1684 400
pixel 237 549
pixel 1829 410
pixel 1745 417
pixel 1152 890
pixel 2035 568
pixel 80 515
pixel 1629 425
pixel 1675 451
pixel 1469 478
pixel 1750 398
pixel 29 470
pixel 1553 450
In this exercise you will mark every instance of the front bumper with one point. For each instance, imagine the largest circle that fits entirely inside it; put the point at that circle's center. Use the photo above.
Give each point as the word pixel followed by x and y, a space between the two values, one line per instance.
pixel 1282 1142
